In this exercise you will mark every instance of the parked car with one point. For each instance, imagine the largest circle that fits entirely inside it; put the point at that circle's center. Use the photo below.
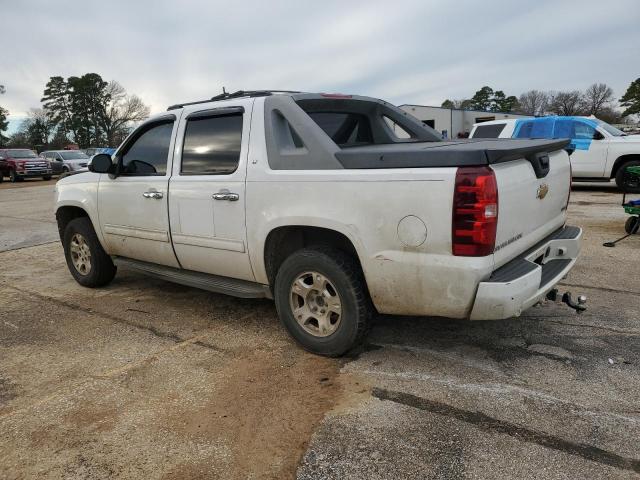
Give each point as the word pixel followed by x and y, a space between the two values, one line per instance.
pixel 21 163
pixel 601 151
pixel 63 161
pixel 327 210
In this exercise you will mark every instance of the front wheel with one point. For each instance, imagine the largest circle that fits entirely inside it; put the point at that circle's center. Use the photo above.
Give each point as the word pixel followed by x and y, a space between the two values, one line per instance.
pixel 13 176
pixel 86 259
pixel 46 178
pixel 628 182
pixel 632 225
pixel 322 300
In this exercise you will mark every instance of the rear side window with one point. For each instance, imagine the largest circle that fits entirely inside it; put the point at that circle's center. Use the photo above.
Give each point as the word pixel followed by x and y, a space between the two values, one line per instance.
pixel 540 128
pixel 149 153
pixel 583 131
pixel 489 131
pixel 563 129
pixel 212 145
pixel 345 129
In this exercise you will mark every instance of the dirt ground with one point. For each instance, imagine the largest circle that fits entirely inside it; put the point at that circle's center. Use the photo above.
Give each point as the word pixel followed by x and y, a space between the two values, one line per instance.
pixel 26 183
pixel 147 379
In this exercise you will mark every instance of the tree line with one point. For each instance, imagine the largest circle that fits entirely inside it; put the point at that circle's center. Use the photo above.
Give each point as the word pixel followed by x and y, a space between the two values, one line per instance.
pixel 598 100
pixel 87 111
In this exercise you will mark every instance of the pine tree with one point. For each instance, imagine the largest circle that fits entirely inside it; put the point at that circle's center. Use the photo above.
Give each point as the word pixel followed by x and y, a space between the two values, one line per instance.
pixel 631 99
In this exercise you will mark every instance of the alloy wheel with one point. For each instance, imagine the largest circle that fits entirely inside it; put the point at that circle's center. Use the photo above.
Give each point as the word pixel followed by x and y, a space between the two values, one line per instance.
pixel 80 254
pixel 315 304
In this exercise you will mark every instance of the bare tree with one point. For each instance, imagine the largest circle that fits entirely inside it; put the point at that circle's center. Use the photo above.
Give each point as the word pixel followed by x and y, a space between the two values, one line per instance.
pixel 122 110
pixel 567 103
pixel 597 97
pixel 534 102
pixel 37 128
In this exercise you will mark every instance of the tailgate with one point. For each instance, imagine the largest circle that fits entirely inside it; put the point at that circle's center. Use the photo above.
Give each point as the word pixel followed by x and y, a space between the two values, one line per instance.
pixel 531 205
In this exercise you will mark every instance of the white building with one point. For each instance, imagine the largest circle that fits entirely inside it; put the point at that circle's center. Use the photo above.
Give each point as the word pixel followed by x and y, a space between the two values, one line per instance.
pixel 452 122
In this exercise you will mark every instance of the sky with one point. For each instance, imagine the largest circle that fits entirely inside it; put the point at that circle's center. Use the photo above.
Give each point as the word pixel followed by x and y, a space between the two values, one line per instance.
pixel 417 52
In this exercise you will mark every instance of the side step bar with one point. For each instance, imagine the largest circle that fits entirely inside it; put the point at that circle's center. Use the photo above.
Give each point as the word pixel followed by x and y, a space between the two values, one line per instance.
pixel 203 281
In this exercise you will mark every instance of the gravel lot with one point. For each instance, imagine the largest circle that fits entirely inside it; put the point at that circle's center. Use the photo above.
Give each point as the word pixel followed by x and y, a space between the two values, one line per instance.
pixel 146 379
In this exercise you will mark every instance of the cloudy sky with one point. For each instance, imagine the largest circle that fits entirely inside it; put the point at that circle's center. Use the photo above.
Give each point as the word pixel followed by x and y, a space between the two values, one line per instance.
pixel 403 51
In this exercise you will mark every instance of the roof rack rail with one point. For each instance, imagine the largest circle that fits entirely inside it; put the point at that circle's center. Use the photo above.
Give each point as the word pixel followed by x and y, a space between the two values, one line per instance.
pixel 238 94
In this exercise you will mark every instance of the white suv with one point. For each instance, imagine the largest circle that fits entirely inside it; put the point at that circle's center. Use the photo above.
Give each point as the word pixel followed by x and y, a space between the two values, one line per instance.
pixel 601 152
pixel 317 201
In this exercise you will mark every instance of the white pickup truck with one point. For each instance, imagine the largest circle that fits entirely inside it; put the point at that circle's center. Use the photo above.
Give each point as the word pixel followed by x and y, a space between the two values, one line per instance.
pixel 601 152
pixel 335 206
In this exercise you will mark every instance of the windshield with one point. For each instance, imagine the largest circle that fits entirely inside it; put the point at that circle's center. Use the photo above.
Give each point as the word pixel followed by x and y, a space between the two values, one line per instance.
pixel 74 155
pixel 21 154
pixel 611 130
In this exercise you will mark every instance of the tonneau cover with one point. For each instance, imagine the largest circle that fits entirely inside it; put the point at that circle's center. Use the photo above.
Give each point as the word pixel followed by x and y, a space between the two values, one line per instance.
pixel 446 154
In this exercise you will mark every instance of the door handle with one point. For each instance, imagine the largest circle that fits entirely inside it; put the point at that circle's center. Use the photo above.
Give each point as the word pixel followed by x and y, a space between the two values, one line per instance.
pixel 225 194
pixel 153 194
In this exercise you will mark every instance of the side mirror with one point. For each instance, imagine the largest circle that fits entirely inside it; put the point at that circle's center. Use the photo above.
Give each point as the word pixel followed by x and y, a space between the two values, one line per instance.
pixel 101 163
pixel 597 135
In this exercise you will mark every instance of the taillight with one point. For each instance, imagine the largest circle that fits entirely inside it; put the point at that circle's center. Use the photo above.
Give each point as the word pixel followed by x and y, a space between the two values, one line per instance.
pixel 475 212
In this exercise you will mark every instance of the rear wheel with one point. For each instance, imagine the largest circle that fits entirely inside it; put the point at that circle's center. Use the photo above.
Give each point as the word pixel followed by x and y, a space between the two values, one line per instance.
pixel 632 225
pixel 628 182
pixel 322 300
pixel 87 261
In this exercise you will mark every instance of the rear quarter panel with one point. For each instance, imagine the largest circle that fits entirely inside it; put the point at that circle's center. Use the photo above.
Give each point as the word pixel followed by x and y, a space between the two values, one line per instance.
pixel 367 206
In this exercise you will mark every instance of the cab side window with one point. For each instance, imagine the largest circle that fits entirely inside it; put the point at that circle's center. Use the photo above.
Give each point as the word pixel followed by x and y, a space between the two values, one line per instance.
pixel 149 153
pixel 583 131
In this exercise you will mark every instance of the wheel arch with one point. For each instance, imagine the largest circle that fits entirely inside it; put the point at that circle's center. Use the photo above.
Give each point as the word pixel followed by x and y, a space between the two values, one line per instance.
pixel 70 210
pixel 66 213
pixel 284 240
pixel 621 160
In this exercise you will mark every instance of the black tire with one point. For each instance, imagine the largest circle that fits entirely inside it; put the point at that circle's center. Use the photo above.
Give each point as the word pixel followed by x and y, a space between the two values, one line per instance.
pixel 346 277
pixel 102 270
pixel 632 225
pixel 65 169
pixel 622 180
pixel 46 177
pixel 1 177
pixel 13 177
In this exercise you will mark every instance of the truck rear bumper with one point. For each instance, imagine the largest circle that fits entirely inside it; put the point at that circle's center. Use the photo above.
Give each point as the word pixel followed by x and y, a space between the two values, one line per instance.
pixel 527 279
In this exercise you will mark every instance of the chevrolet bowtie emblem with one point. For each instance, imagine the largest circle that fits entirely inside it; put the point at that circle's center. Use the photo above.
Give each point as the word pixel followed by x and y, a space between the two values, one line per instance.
pixel 542 191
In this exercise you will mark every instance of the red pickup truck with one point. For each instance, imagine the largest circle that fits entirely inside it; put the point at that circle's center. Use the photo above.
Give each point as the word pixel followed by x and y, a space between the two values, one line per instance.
pixel 21 163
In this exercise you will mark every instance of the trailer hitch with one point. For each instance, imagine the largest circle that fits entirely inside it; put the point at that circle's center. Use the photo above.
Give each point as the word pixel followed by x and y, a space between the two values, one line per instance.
pixel 579 307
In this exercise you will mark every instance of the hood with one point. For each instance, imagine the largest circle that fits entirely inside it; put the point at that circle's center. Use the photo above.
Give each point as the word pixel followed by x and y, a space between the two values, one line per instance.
pixel 78 177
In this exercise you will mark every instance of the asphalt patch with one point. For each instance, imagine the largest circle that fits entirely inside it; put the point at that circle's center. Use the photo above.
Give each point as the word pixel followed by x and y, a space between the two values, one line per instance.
pixel 487 423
